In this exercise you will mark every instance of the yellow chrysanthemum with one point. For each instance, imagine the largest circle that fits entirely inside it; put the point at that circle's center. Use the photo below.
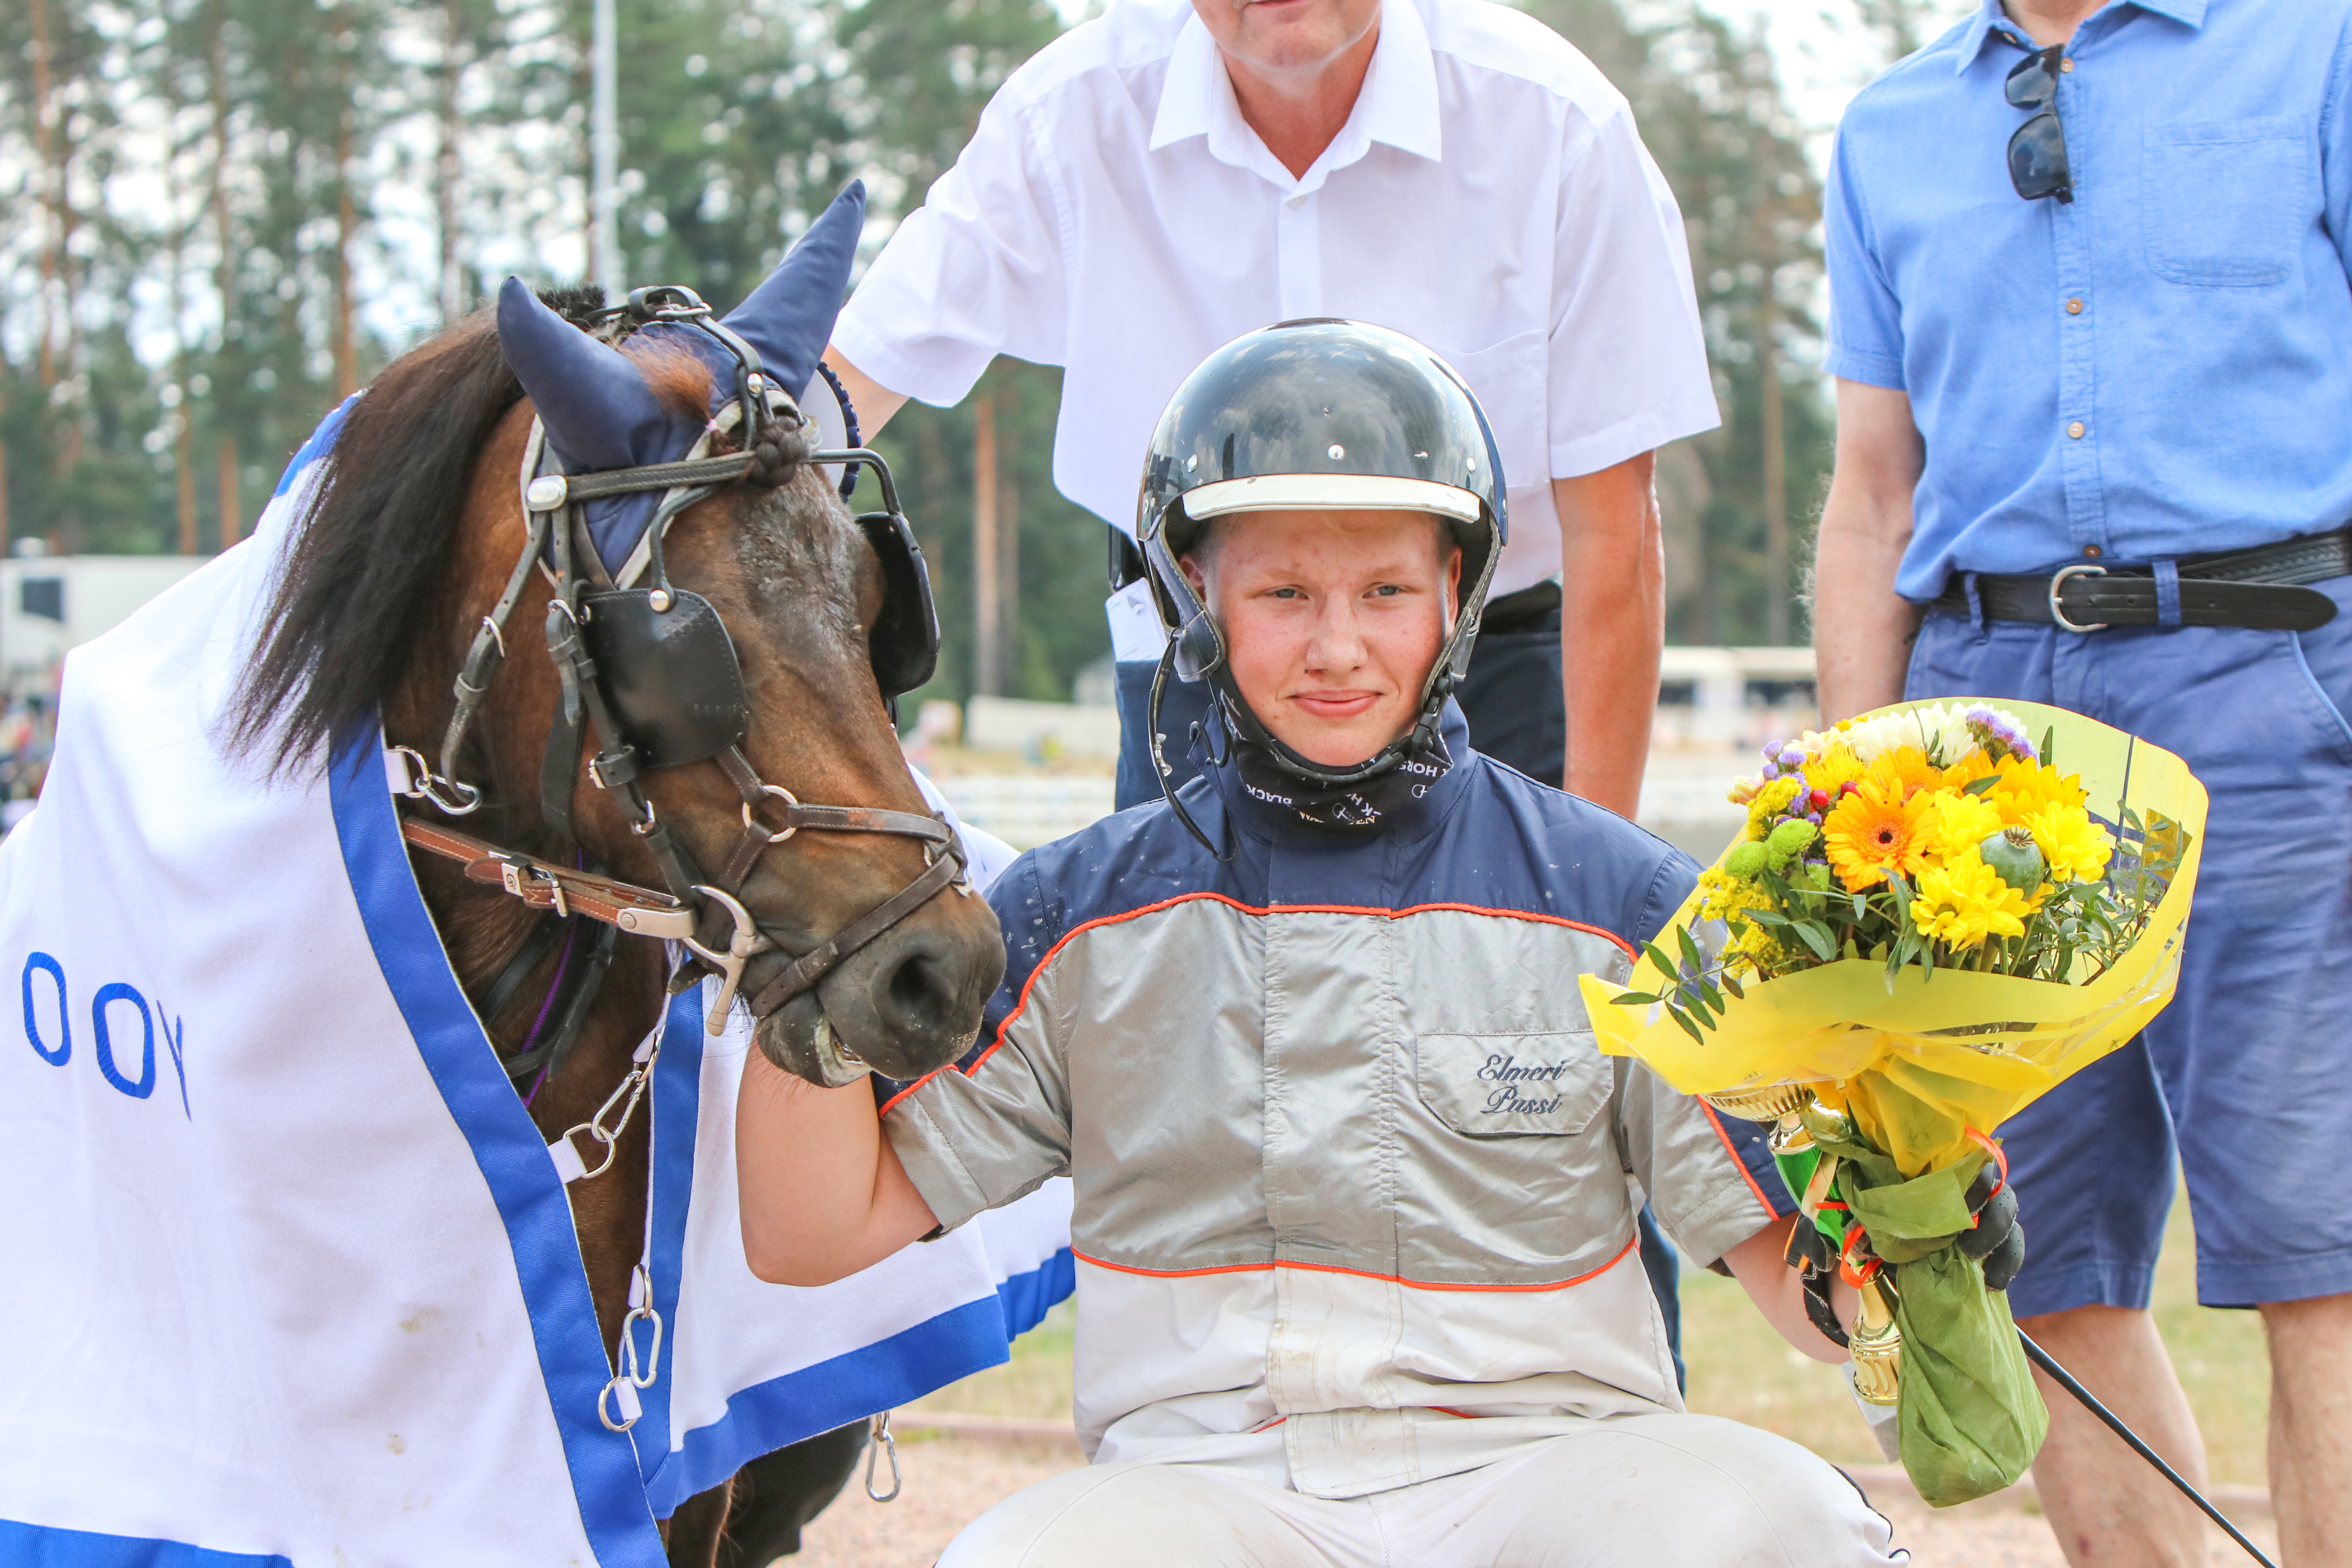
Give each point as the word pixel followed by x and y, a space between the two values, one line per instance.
pixel 1875 830
pixel 1724 897
pixel 1833 768
pixel 1963 902
pixel 1770 803
pixel 1960 822
pixel 2027 788
pixel 2075 848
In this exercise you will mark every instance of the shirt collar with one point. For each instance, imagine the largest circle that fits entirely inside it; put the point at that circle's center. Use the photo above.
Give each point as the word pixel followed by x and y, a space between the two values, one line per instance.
pixel 1397 106
pixel 1992 15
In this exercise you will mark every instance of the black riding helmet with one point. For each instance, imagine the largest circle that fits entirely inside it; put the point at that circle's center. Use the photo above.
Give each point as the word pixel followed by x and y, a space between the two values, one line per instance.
pixel 1313 415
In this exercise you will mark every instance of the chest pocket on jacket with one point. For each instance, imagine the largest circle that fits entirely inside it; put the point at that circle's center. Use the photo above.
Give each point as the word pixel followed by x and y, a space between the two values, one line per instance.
pixel 1500 1085
pixel 2225 202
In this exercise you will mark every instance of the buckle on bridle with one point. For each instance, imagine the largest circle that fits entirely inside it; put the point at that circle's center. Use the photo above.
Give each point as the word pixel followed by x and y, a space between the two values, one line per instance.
pixel 515 869
pixel 2058 582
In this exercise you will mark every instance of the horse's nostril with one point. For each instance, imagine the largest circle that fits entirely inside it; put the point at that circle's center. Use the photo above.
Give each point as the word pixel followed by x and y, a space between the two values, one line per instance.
pixel 918 996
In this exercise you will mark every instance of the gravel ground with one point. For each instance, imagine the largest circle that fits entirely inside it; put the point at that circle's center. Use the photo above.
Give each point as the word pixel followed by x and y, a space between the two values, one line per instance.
pixel 952 1480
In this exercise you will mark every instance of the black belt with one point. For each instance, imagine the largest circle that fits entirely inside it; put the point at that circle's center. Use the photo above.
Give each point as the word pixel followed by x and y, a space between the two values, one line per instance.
pixel 1535 609
pixel 2263 589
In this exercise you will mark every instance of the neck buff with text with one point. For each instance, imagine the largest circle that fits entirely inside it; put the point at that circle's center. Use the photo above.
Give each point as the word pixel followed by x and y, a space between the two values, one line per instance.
pixel 1361 808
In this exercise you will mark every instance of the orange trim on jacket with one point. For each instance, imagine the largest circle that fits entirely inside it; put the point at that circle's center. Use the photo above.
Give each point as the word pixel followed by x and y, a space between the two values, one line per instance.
pixel 1360 1273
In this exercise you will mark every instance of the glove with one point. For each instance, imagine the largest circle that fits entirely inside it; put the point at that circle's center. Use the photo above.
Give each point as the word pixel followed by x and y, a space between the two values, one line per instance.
pixel 1998 1241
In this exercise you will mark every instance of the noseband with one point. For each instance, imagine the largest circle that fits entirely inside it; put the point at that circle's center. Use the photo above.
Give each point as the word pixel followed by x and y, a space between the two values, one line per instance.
pixel 652 672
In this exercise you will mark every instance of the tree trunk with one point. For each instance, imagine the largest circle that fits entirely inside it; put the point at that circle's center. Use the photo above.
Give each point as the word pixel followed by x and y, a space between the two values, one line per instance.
pixel 1777 593
pixel 347 363
pixel 231 519
pixel 1008 582
pixel 444 173
pixel 43 154
pixel 225 272
pixel 183 473
pixel 986 679
pixel 183 424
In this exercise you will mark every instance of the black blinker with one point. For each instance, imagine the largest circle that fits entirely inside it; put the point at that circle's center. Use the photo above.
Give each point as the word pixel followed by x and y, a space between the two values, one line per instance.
pixel 905 642
pixel 670 674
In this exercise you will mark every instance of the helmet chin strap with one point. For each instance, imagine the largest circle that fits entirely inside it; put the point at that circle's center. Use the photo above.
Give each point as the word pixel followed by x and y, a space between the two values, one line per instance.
pixel 1159 759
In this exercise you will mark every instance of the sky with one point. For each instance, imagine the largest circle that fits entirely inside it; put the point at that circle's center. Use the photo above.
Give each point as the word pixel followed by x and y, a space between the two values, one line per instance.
pixel 1824 54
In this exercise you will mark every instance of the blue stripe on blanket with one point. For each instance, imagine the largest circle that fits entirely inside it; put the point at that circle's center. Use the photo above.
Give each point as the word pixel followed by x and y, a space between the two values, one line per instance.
pixel 507 1148
pixel 889 1373
pixel 40 1546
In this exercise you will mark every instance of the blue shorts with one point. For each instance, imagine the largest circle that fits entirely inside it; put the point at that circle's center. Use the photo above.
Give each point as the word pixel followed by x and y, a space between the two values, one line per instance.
pixel 2247 1074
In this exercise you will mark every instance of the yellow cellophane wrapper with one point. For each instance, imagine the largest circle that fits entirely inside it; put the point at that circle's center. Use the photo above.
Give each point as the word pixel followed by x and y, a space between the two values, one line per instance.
pixel 1888 1056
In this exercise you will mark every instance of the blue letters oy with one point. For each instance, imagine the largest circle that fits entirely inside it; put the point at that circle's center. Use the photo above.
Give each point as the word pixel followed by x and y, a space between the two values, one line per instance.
pixel 108 996
pixel 57 974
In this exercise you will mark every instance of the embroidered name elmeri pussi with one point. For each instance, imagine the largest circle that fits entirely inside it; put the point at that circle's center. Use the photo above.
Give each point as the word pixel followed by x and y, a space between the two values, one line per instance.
pixel 1505 1072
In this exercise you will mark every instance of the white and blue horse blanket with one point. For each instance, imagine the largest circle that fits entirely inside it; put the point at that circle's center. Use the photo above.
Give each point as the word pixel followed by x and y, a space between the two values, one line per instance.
pixel 287 1274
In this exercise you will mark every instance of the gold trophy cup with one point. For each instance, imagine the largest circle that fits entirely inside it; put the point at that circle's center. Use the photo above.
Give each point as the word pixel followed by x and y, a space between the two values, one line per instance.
pixel 1781 1105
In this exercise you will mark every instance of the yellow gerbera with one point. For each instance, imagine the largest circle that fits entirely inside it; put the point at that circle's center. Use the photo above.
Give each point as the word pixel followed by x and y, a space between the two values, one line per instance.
pixel 1770 803
pixel 2076 848
pixel 2027 788
pixel 1874 830
pixel 1963 902
pixel 1906 768
pixel 1960 822
pixel 1835 769
pixel 1917 772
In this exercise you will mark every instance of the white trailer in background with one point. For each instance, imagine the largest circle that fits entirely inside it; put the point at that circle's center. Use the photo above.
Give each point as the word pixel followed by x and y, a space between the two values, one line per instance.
pixel 50 604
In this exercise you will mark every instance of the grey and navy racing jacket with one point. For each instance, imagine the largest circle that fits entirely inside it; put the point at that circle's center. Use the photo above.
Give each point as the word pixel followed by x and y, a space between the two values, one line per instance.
pixel 1346 1161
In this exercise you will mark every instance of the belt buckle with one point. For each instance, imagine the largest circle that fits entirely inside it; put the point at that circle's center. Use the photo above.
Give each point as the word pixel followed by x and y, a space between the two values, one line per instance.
pixel 2058 582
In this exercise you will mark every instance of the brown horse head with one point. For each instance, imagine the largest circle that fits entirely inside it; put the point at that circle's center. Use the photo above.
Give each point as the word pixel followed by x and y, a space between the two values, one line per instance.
pixel 416 528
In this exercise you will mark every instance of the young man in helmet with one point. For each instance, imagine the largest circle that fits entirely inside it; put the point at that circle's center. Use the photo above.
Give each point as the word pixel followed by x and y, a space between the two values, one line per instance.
pixel 1355 1193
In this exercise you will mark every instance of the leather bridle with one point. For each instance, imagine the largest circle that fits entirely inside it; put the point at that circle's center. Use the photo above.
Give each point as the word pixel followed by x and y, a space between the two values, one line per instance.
pixel 652 672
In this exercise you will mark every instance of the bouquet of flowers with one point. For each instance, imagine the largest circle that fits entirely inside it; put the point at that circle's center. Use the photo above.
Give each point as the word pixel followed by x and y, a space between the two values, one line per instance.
pixel 1937 912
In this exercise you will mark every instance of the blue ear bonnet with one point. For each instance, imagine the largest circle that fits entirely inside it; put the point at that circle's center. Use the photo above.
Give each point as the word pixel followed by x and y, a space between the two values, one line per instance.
pixel 597 411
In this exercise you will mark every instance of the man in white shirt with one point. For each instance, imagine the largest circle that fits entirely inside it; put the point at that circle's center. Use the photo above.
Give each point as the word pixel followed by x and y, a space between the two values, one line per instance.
pixel 1162 179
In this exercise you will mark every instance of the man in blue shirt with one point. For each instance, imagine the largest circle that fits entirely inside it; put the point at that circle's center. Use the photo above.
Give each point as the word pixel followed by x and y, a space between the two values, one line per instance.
pixel 2092 334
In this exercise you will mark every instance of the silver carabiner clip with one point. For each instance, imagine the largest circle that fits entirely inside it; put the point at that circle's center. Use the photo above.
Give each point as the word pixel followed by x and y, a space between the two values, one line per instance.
pixel 882 1442
pixel 451 797
pixel 626 1094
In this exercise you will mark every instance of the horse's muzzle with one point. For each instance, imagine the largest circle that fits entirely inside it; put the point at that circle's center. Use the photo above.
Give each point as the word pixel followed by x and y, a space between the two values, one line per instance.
pixel 905 1004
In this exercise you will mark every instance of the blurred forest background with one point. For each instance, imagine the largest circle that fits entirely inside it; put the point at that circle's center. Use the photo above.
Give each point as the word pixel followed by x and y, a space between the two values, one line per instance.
pixel 223 215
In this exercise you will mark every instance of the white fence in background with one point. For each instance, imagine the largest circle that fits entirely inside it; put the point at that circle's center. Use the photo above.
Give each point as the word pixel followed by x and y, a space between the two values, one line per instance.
pixel 1029 809
pixel 1041 731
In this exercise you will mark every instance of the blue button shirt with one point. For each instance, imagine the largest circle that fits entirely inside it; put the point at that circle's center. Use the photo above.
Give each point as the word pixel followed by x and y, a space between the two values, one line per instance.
pixel 2163 368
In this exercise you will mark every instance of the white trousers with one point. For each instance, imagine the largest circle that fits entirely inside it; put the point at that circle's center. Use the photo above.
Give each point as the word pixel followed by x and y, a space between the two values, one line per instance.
pixel 1646 1491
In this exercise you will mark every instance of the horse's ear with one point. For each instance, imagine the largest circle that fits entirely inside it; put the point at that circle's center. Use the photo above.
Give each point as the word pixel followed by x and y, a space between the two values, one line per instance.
pixel 789 318
pixel 598 410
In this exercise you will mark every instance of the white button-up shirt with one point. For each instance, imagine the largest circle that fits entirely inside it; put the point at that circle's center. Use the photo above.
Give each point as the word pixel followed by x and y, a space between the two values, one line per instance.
pixel 1489 195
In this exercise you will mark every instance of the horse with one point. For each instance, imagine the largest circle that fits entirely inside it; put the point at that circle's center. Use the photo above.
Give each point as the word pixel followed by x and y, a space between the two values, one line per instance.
pixel 434 538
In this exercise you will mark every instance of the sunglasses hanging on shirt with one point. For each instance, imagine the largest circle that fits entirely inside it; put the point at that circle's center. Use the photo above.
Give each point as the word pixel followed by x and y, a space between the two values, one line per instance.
pixel 2037 153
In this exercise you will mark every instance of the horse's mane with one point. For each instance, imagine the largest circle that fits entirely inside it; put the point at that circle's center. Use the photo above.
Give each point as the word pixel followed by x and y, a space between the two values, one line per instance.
pixel 366 562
